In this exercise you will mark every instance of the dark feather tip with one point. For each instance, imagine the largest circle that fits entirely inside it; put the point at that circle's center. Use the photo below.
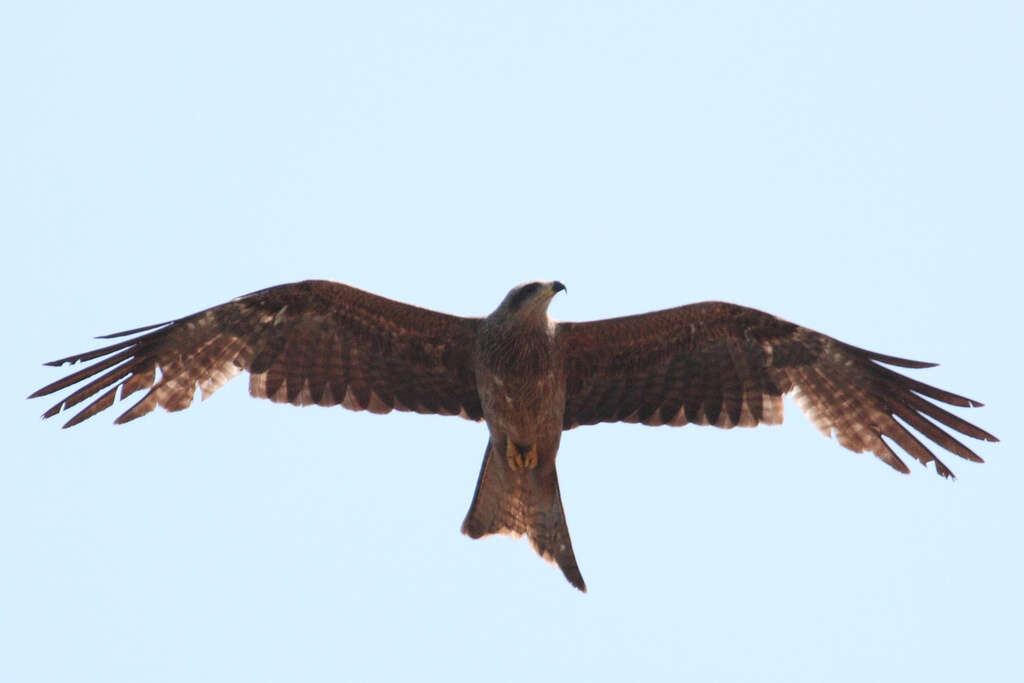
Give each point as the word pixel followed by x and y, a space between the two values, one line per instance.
pixel 125 333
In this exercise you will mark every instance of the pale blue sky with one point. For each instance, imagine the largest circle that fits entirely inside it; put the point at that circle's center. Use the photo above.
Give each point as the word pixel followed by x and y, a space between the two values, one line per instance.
pixel 854 167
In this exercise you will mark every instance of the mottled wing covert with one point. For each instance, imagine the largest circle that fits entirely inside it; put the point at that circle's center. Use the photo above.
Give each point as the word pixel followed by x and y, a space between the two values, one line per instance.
pixel 725 365
pixel 311 342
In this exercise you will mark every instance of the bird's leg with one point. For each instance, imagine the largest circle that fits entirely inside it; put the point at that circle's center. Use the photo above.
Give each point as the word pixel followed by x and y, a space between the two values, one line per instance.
pixel 520 456
pixel 515 460
pixel 530 458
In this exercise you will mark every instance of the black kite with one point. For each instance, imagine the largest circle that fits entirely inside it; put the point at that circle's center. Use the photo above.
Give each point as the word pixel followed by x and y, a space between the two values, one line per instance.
pixel 527 376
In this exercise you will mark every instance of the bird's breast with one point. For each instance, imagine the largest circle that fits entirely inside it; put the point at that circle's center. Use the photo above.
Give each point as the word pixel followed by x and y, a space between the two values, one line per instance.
pixel 521 384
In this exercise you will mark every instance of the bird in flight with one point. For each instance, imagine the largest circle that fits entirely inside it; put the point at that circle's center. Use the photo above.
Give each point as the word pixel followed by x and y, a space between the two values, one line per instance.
pixel 528 377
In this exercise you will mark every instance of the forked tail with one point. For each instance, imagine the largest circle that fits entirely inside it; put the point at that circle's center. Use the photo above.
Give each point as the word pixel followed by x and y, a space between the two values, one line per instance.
pixel 527 502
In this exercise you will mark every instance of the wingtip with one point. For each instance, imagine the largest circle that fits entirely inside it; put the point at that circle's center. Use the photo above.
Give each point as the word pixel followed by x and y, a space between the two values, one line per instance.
pixel 79 418
pixel 125 333
pixel 893 360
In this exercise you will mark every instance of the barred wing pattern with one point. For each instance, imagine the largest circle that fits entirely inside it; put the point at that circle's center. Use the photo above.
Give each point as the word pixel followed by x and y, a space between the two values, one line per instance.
pixel 725 365
pixel 311 342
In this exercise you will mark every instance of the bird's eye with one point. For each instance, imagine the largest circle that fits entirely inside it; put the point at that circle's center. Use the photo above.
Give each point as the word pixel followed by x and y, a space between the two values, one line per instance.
pixel 524 293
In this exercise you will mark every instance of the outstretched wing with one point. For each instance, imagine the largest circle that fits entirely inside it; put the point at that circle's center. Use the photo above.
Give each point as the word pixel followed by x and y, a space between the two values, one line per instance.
pixel 312 342
pixel 725 365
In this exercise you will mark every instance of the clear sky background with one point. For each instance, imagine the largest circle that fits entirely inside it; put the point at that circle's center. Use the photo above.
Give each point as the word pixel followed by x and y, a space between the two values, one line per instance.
pixel 853 167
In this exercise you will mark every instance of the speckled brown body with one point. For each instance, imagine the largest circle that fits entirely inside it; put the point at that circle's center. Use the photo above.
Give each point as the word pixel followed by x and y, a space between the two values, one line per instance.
pixel 521 383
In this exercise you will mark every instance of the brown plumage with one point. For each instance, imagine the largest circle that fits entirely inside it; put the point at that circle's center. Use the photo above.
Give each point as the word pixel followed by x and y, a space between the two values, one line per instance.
pixel 528 377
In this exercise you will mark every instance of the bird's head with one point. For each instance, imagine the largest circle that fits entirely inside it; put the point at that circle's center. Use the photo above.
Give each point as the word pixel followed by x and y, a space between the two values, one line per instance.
pixel 529 299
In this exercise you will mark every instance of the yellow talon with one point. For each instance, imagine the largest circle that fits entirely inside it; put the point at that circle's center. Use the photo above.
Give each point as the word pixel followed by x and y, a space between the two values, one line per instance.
pixel 515 460
pixel 531 458
pixel 520 458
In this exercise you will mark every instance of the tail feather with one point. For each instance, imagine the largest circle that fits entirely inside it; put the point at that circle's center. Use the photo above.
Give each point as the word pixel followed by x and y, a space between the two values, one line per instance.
pixel 524 502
